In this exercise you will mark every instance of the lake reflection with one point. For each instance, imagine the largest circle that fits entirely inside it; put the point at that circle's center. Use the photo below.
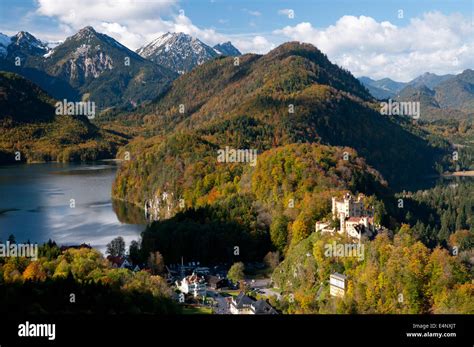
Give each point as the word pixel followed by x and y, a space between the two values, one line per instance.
pixel 35 205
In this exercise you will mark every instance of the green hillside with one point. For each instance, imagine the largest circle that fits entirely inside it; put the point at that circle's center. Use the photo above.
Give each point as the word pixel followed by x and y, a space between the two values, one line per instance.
pixel 225 205
pixel 22 101
pixel 30 126
pixel 397 275
pixel 248 106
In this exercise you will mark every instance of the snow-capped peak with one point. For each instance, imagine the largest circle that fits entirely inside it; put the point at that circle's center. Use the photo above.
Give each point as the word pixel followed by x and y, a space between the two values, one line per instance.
pixel 22 43
pixel 25 39
pixel 178 51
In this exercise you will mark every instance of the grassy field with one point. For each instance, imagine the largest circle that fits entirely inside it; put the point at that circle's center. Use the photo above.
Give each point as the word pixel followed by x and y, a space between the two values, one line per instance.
pixel 197 310
pixel 230 292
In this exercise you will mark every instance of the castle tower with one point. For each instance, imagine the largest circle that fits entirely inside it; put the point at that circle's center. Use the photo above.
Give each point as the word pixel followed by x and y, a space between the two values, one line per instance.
pixel 342 223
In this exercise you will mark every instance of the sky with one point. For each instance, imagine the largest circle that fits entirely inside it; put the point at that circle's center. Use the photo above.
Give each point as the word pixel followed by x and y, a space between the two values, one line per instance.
pixel 399 39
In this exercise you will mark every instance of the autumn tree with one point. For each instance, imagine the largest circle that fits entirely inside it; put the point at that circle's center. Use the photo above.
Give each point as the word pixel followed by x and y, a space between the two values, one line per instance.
pixel 34 272
pixel 462 239
pixel 299 229
pixel 11 273
pixel 156 263
pixel 236 272
pixel 459 300
pixel 279 232
pixel 63 269
pixel 86 263
pixel 116 247
pixel 272 259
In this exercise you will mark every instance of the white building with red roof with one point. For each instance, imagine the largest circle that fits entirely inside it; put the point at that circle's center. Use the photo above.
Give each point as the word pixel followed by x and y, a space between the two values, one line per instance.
pixel 354 218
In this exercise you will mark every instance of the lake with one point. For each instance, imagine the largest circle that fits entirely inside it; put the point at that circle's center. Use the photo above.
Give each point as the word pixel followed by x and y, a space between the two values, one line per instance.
pixel 35 205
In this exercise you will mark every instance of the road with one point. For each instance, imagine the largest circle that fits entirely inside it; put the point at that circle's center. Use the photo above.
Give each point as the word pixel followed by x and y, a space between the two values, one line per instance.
pixel 262 285
pixel 222 305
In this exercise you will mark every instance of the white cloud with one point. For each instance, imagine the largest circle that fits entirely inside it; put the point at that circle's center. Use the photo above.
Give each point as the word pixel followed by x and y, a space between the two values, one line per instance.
pixel 135 23
pixel 286 12
pixel 128 21
pixel 252 13
pixel 121 34
pixel 255 44
pixel 76 13
pixel 435 42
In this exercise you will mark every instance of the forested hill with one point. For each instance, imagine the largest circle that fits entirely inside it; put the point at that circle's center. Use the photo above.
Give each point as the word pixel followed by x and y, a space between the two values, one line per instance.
pixel 21 101
pixel 293 94
pixel 278 200
pixel 30 127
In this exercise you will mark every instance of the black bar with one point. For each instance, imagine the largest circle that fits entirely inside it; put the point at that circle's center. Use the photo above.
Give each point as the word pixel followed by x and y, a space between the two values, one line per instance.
pixel 317 330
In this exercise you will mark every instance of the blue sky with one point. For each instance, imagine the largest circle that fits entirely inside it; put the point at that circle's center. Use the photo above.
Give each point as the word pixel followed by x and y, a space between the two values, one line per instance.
pixel 252 16
pixel 320 13
pixel 367 37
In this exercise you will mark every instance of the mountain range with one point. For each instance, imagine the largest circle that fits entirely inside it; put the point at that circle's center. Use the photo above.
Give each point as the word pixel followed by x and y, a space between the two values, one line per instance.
pixel 181 52
pixel 387 88
pixel 440 97
pixel 291 95
pixel 93 66
pixel 228 49
pixel 243 105
pixel 21 45
pixel 382 89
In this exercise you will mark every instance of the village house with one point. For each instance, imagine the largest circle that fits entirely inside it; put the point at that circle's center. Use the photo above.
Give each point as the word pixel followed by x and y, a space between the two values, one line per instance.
pixel 122 263
pixel 193 284
pixel 337 285
pixel 243 304
pixel 116 261
pixel 217 282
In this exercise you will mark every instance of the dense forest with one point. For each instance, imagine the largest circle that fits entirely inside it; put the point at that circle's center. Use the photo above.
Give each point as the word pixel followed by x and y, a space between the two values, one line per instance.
pixel 79 281
pixel 398 274
pixel 279 199
pixel 436 214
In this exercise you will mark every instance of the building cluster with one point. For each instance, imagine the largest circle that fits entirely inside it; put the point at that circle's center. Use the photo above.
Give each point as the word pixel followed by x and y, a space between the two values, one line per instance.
pixel 198 284
pixel 193 284
pixel 354 218
pixel 243 304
